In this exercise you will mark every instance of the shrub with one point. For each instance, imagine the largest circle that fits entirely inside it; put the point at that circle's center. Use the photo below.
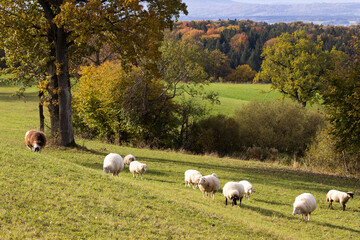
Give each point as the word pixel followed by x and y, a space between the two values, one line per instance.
pixel 215 134
pixel 322 155
pixel 289 128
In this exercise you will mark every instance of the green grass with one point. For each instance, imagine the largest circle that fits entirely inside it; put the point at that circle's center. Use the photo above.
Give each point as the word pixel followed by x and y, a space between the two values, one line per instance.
pixel 63 193
pixel 233 96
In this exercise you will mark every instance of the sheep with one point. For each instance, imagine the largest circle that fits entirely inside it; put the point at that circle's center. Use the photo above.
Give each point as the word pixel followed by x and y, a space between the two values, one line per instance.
pixel 248 187
pixel 128 159
pixel 192 177
pixel 337 196
pixel 209 184
pixel 234 191
pixel 35 140
pixel 304 204
pixel 113 163
pixel 136 167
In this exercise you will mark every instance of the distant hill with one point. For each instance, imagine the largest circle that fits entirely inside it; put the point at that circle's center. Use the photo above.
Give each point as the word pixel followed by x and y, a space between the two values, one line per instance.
pixel 318 13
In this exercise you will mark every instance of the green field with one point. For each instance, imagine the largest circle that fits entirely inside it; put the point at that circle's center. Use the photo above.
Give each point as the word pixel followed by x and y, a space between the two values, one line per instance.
pixel 233 96
pixel 63 193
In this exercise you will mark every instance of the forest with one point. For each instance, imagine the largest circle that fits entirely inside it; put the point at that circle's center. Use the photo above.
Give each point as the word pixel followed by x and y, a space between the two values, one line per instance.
pixel 242 41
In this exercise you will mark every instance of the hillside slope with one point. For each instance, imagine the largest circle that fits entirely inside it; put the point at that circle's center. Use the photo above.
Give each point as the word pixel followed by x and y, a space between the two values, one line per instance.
pixel 63 193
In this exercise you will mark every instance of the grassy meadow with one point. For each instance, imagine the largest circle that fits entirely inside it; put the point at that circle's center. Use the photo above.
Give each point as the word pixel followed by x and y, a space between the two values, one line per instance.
pixel 63 193
pixel 233 96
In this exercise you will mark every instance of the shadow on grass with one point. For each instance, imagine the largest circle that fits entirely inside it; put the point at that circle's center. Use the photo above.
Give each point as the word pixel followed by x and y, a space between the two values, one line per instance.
pixel 267 212
pixel 337 227
pixel 271 175
pixel 271 202
pixel 10 97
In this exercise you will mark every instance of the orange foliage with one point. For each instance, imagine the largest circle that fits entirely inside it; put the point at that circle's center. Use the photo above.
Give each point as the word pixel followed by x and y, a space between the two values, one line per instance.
pixel 238 40
pixel 212 36
pixel 193 34
pixel 211 31
pixel 257 29
pixel 269 42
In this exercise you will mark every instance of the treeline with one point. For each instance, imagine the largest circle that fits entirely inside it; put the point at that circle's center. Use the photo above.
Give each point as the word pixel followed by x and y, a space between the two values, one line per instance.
pixel 242 41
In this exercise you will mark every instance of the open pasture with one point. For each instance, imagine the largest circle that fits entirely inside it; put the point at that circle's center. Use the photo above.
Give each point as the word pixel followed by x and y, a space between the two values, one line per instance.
pixel 233 96
pixel 63 193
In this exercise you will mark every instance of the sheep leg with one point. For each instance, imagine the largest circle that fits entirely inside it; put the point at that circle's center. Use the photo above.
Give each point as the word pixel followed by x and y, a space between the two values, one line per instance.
pixel 330 204
pixel 225 201
pixel 234 202
pixel 133 174
pixel 240 202
pixel 344 206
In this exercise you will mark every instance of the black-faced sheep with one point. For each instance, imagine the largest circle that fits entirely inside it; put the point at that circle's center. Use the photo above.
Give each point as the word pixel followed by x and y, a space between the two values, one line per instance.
pixel 113 163
pixel 304 204
pixel 337 196
pixel 234 191
pixel 209 184
pixel 248 188
pixel 128 159
pixel 136 167
pixel 35 140
pixel 192 177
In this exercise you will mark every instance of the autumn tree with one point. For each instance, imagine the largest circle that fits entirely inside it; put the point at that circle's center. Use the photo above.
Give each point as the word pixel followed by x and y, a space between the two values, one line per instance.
pixel 242 74
pixel 134 106
pixel 217 65
pixel 238 41
pixel 296 66
pixel 342 101
pixel 48 38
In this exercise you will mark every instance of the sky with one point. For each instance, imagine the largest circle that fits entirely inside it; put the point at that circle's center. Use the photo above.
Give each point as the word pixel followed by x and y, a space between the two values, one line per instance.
pixel 295 1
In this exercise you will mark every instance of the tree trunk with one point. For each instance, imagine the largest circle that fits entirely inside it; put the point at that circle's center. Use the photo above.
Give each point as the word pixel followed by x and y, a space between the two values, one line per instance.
pixel 41 112
pixel 66 133
pixel 54 99
pixel 59 78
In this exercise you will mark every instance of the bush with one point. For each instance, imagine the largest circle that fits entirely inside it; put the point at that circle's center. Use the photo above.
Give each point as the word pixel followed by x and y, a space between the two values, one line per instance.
pixel 289 128
pixel 215 134
pixel 322 155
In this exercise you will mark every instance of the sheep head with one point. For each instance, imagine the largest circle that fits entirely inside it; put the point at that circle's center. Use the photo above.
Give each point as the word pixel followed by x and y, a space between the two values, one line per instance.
pixel 350 194
pixel 297 210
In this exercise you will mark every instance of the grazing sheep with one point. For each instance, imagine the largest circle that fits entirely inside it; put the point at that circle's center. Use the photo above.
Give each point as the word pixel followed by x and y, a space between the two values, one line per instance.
pixel 248 188
pixel 128 159
pixel 337 196
pixel 136 167
pixel 35 140
pixel 209 184
pixel 234 191
pixel 113 163
pixel 304 204
pixel 193 177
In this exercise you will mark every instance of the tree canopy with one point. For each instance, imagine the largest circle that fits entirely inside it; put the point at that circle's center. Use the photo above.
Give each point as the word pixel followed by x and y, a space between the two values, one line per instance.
pixel 46 40
pixel 342 101
pixel 296 66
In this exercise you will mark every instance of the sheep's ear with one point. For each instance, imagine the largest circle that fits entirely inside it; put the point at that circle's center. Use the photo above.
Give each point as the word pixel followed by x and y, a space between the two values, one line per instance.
pixel 351 194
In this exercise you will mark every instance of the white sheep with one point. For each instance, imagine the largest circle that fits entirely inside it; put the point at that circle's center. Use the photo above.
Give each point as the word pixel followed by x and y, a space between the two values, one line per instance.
pixel 234 191
pixel 128 159
pixel 113 163
pixel 136 167
pixel 248 187
pixel 209 184
pixel 192 177
pixel 337 196
pixel 304 204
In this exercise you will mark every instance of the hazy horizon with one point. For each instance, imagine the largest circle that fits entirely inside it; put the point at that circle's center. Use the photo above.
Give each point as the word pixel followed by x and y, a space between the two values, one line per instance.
pixel 294 1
